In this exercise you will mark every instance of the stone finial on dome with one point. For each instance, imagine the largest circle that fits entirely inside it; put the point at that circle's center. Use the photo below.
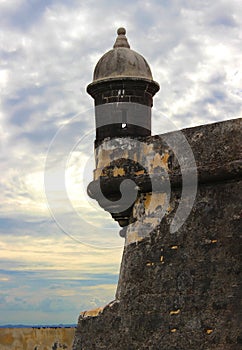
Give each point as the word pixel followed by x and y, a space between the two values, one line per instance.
pixel 121 40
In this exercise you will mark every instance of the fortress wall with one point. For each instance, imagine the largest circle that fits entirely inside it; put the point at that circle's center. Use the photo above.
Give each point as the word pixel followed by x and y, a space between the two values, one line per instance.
pixel 181 290
pixel 36 338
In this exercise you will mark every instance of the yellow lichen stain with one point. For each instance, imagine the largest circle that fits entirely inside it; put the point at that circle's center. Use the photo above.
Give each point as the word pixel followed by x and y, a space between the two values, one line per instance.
pixel 211 241
pixel 92 313
pixel 169 209
pixel 103 158
pixel 118 172
pixel 133 236
pixel 209 331
pixel 147 200
pixel 152 221
pixel 96 173
pixel 140 172
pixel 157 162
pixel 147 149
pixel 175 312
pixel 7 339
pixel 165 160
pixel 174 247
pixel 160 161
pixel 153 200
pixel 173 330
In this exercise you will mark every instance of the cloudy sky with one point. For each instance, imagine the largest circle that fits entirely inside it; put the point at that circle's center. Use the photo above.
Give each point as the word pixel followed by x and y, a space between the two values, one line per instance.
pixel 59 252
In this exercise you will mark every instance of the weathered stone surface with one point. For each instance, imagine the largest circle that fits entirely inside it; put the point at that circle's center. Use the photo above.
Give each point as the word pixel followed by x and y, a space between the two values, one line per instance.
pixel 182 290
pixel 122 61
pixel 54 338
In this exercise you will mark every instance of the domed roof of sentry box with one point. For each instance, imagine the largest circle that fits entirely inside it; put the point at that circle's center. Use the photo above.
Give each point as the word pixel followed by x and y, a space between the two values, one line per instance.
pixel 121 61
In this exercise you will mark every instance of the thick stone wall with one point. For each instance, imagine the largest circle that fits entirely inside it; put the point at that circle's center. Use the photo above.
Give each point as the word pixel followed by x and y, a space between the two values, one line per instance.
pixel 180 291
pixel 56 338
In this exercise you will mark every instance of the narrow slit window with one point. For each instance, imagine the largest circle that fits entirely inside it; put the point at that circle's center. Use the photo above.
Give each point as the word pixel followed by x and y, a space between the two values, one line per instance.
pixel 124 119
